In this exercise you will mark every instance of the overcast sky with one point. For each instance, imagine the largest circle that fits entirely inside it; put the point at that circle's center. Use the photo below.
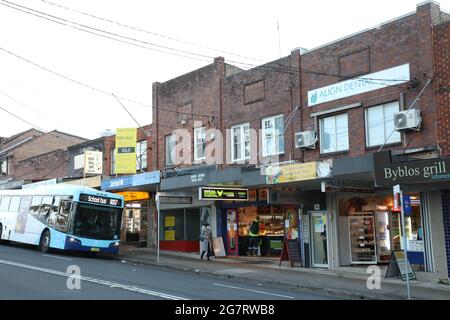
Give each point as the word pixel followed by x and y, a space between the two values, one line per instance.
pixel 241 31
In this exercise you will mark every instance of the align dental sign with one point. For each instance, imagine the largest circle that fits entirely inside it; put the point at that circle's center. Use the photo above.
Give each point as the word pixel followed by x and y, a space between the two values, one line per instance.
pixel 212 193
pixel 420 171
pixel 362 84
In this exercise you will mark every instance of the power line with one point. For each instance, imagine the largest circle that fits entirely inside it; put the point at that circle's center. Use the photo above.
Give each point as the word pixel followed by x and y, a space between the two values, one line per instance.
pixel 68 78
pixel 149 32
pixel 23 120
pixel 288 70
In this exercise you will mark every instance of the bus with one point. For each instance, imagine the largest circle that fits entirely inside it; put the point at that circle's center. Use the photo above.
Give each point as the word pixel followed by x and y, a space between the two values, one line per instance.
pixel 65 217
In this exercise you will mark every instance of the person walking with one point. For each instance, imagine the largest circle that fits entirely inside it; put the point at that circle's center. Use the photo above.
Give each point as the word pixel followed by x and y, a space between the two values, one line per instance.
pixel 253 240
pixel 206 241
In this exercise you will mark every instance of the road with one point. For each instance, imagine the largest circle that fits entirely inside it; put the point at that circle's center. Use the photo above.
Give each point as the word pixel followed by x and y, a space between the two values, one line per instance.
pixel 26 273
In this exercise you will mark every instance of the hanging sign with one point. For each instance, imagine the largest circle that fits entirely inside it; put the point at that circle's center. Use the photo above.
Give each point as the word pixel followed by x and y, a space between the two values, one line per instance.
pixel 126 150
pixel 213 193
pixel 397 266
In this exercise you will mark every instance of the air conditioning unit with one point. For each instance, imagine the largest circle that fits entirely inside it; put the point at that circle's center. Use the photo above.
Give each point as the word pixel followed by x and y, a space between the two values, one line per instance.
pixel 407 120
pixel 305 139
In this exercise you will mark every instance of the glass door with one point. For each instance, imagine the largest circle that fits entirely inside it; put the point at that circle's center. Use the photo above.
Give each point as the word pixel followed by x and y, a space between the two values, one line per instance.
pixel 319 239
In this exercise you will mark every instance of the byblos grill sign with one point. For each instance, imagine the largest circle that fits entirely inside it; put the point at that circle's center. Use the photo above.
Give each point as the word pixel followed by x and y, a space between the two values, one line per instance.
pixel 420 171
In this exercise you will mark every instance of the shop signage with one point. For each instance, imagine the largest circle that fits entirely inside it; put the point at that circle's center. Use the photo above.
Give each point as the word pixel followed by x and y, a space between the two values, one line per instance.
pixel 100 200
pixel 175 200
pixel 348 186
pixel 126 150
pixel 132 181
pixel 420 171
pixel 93 162
pixel 285 197
pixel 397 266
pixel 370 82
pixel 212 193
pixel 406 205
pixel 291 172
pixel 134 195
pixel 290 251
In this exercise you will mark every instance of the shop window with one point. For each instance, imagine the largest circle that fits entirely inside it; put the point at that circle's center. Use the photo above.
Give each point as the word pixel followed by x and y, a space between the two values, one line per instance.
pixel 334 134
pixel 141 155
pixel 380 124
pixel 192 224
pixel 272 136
pixel 170 150
pixel 173 223
pixel 199 144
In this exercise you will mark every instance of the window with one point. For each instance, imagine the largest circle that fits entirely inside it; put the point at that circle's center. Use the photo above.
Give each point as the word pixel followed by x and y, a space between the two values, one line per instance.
pixel 380 124
pixel 170 150
pixel 3 167
pixel 141 155
pixel 14 205
pixel 62 218
pixel 4 203
pixel 113 161
pixel 240 139
pixel 44 210
pixel 273 135
pixel 334 133
pixel 199 144
pixel 35 204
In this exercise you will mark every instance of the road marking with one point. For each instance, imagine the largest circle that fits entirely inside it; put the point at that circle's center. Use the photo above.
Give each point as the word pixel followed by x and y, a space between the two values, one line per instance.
pixel 56 257
pixel 93 280
pixel 251 290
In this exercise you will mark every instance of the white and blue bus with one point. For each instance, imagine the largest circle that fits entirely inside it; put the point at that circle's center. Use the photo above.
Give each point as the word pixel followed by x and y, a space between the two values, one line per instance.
pixel 65 217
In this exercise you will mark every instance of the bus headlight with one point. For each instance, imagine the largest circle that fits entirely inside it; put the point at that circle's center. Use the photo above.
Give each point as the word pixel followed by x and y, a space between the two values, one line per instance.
pixel 116 244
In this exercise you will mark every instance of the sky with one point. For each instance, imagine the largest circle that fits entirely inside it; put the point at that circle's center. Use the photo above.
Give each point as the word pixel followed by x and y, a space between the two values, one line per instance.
pixel 168 38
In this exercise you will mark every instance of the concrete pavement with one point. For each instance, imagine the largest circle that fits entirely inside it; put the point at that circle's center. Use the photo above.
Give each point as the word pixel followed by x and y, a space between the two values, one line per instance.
pixel 351 284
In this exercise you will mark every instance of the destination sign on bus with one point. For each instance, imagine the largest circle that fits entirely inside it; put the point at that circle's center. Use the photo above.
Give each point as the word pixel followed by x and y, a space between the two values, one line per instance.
pixel 100 200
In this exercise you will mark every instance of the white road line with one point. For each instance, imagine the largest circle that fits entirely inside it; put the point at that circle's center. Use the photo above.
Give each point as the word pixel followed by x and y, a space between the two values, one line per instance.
pixel 56 257
pixel 93 280
pixel 251 290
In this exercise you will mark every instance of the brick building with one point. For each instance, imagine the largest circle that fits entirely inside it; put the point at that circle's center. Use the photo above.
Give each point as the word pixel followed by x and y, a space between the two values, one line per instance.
pixel 319 116
pixel 33 156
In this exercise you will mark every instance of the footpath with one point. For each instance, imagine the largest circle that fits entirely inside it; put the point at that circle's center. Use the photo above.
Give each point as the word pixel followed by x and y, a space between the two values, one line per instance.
pixel 346 284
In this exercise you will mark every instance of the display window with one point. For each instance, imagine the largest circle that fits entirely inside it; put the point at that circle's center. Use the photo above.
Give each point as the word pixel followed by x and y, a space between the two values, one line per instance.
pixel 275 223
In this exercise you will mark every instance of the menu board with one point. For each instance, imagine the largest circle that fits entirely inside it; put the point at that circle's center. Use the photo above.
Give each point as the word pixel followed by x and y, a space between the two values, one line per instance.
pixel 362 238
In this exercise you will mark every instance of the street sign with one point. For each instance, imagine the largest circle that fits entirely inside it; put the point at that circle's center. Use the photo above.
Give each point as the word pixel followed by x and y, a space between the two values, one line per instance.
pixel 399 265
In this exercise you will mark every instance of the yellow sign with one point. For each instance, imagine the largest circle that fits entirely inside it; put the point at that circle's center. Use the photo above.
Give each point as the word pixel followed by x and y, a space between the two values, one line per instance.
pixel 169 235
pixel 291 172
pixel 126 150
pixel 169 221
pixel 134 195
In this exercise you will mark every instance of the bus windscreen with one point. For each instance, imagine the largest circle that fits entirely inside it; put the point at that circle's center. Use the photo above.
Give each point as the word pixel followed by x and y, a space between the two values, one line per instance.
pixel 97 222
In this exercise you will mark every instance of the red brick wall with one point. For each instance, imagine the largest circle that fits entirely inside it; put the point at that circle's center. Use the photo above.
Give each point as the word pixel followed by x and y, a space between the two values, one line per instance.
pixel 441 38
pixel 42 167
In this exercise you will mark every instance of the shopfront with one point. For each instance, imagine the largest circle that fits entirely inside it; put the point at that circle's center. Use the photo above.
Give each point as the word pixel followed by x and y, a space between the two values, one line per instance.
pixel 139 215
pixel 276 222
pixel 182 215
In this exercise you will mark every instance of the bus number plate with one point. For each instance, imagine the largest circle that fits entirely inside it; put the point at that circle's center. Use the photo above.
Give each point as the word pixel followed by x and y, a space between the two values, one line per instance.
pixel 95 249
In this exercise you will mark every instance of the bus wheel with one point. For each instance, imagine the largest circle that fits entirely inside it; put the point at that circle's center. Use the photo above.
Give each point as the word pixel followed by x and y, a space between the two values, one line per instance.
pixel 44 244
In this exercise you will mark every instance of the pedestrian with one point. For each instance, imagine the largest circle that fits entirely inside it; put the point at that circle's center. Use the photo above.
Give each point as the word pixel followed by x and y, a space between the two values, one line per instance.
pixel 206 241
pixel 253 239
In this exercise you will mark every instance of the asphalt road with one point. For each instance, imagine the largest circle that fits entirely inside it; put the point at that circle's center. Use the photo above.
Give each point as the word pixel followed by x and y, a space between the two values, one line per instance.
pixel 26 273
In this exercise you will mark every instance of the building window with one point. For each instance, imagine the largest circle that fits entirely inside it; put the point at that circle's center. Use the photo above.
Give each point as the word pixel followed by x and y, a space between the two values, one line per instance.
pixel 380 124
pixel 170 150
pixel 199 144
pixel 273 135
pixel 4 167
pixel 141 155
pixel 334 133
pixel 113 161
pixel 240 137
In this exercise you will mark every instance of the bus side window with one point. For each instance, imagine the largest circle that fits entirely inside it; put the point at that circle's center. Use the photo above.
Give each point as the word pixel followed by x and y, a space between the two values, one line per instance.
pixel 62 220
pixel 44 210
pixel 34 208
